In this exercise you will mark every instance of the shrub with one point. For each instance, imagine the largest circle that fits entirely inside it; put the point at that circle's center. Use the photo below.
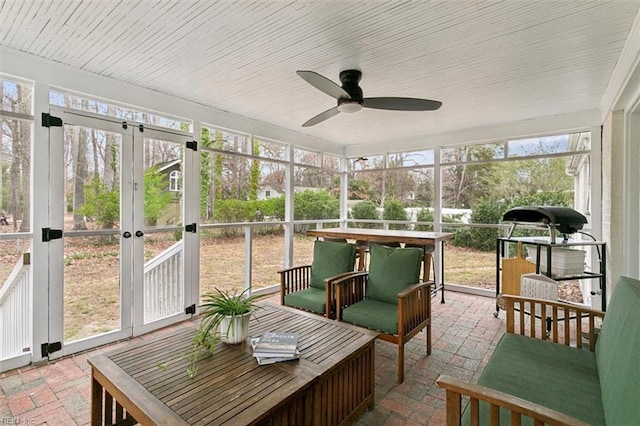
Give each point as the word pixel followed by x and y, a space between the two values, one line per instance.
pixel 394 210
pixel 485 211
pixel 306 205
pixel 424 215
pixel 364 210
pixel 315 205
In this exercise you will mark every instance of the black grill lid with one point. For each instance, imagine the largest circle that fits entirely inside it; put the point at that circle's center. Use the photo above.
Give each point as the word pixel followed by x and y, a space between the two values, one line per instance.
pixel 564 219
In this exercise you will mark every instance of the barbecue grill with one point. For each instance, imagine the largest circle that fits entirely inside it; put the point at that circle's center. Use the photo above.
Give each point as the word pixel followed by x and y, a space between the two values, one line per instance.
pixel 562 219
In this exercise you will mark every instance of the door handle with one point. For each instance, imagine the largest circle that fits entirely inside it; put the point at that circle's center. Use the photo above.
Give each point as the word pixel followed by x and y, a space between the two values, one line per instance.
pixel 126 234
pixel 139 233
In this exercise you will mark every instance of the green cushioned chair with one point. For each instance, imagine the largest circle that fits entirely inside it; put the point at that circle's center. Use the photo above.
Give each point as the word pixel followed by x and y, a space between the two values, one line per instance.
pixel 389 298
pixel 309 287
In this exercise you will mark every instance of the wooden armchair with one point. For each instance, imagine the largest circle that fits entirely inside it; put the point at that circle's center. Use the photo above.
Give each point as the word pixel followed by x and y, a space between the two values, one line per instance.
pixel 309 287
pixel 389 298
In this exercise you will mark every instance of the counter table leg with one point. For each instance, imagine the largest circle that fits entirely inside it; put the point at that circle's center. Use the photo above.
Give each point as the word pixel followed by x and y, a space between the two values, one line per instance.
pixel 442 269
pixel 499 255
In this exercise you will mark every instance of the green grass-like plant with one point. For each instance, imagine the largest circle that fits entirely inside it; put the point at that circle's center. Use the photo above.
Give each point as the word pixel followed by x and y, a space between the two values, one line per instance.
pixel 220 304
pixel 217 305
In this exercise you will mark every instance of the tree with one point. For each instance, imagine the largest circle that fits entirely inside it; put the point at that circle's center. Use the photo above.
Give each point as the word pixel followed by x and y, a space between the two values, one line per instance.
pixel 218 184
pixel 254 183
pixel 206 173
pixel 16 97
pixel 465 182
pixel 80 175
pixel 101 203
pixel 521 178
pixel 399 182
pixel 156 196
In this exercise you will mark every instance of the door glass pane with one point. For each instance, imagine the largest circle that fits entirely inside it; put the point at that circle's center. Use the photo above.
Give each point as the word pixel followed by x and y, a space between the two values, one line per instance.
pixel 163 248
pixel 91 225
pixel 15 298
pixel 15 170
pixel 15 199
pixel 163 275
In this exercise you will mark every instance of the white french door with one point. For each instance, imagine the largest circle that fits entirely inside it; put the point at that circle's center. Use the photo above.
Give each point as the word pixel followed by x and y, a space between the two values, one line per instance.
pixel 117 269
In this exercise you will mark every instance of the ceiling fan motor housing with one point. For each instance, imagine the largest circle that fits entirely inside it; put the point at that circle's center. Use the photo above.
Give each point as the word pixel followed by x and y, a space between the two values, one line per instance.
pixel 350 80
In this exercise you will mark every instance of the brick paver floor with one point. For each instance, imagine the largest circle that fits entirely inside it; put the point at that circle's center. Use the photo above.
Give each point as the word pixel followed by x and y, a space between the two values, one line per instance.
pixel 465 333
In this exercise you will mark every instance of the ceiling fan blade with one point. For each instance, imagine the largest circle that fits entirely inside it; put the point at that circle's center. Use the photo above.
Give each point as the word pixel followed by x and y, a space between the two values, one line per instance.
pixel 321 117
pixel 323 84
pixel 402 104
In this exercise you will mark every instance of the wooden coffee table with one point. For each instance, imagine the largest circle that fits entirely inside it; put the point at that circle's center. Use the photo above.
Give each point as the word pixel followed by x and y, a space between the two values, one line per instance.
pixel 331 384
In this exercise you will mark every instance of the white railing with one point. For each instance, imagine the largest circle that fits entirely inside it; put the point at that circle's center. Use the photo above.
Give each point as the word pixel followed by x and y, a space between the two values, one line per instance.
pixel 15 310
pixel 163 289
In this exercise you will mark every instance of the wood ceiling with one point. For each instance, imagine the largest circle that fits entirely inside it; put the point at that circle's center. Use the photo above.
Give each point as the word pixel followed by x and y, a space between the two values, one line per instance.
pixel 489 62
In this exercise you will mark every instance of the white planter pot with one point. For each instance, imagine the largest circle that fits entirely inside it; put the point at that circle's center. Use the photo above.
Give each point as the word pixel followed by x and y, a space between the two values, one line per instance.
pixel 235 330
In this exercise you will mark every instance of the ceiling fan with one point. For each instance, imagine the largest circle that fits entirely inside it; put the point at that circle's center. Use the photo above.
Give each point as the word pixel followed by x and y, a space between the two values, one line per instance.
pixel 350 98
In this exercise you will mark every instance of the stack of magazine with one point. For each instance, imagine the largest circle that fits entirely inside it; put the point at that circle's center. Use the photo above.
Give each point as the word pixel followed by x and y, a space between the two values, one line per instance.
pixel 275 347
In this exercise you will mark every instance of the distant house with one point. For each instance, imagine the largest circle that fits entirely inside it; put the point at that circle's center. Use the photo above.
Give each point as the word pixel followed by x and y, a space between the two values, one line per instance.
pixel 409 196
pixel 267 191
pixel 173 170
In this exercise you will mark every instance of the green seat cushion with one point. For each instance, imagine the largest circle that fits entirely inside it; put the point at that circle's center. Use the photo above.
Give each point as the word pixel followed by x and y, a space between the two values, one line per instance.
pixel 555 376
pixel 309 299
pixel 618 354
pixel 330 259
pixel 373 314
pixel 392 270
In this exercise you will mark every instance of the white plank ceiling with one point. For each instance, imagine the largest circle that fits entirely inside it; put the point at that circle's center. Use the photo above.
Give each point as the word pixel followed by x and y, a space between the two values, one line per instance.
pixel 489 62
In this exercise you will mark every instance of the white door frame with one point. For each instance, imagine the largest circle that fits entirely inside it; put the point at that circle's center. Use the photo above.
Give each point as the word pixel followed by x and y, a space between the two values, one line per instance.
pixel 131 249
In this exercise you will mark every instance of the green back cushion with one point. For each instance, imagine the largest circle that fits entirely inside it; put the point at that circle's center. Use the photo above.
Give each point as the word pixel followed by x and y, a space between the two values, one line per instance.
pixel 618 354
pixel 329 259
pixel 391 270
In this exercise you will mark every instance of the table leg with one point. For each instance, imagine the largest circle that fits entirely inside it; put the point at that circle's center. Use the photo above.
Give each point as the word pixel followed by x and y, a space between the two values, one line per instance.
pixel 362 252
pixel 426 263
pixel 442 269
pixel 96 402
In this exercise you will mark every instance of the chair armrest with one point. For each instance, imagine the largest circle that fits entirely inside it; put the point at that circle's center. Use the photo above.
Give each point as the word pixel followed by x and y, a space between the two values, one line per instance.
pixel 414 309
pixel 349 290
pixel 331 280
pixel 330 294
pixel 294 279
pixel 456 388
pixel 568 321
pixel 414 289
pixel 294 268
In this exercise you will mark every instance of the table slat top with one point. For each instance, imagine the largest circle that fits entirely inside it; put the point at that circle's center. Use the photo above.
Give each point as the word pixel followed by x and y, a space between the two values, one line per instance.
pixel 230 386
pixel 383 235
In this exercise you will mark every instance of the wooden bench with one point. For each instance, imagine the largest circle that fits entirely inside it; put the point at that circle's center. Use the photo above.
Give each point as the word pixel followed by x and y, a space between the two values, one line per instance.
pixel 569 379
